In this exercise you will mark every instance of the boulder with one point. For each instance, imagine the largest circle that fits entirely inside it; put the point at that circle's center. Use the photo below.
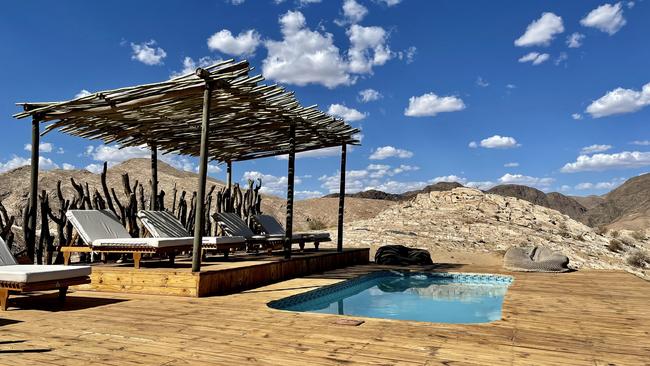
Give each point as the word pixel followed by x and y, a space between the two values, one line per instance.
pixel 535 259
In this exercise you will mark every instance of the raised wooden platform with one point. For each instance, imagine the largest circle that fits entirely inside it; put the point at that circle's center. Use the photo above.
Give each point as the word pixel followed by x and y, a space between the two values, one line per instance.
pixel 218 276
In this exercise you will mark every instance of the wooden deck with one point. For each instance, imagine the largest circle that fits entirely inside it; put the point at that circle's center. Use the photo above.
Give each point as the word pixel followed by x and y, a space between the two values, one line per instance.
pixel 580 318
pixel 218 276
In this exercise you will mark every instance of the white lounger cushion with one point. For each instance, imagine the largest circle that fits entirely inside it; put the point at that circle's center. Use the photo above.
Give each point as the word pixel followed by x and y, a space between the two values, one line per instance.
pixel 144 242
pixel 224 240
pixel 30 273
pixel 96 224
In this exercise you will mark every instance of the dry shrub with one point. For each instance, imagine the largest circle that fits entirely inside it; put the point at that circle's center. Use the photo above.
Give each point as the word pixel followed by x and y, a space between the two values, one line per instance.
pixel 316 224
pixel 615 234
pixel 638 259
pixel 601 230
pixel 615 245
pixel 638 235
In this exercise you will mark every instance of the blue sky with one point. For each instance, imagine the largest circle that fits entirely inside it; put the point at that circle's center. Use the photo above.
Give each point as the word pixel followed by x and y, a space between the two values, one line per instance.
pixel 552 94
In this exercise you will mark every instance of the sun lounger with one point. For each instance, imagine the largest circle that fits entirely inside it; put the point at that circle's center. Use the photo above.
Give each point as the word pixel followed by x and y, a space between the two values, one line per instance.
pixel 16 277
pixel 271 226
pixel 102 232
pixel 233 225
pixel 535 259
pixel 162 224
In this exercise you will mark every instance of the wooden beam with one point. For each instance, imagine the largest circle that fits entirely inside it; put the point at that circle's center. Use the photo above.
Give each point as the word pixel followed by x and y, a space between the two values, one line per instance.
pixel 203 173
pixel 290 185
pixel 33 192
pixel 153 205
pixel 339 241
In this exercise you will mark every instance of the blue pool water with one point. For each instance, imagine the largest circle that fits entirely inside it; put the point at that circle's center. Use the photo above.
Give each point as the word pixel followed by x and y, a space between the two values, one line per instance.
pixel 428 297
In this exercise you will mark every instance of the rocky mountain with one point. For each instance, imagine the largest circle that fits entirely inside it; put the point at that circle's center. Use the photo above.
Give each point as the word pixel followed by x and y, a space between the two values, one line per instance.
pixel 371 194
pixel 554 200
pixel 589 202
pixel 626 207
pixel 379 195
pixel 468 220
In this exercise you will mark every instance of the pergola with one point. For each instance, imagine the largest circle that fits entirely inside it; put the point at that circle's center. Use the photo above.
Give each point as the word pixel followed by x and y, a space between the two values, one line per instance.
pixel 218 113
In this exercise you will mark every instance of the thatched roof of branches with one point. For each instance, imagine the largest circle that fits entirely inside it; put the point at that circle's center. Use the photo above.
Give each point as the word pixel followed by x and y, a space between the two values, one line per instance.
pixel 248 119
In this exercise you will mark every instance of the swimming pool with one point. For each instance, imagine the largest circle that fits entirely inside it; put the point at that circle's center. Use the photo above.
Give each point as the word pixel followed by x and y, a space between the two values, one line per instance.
pixel 430 297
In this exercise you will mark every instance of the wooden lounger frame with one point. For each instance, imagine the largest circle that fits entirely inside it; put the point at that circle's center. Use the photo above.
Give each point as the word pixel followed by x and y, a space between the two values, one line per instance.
pixel 62 285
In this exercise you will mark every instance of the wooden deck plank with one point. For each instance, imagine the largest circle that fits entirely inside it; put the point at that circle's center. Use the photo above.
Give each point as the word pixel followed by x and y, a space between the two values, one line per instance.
pixel 581 318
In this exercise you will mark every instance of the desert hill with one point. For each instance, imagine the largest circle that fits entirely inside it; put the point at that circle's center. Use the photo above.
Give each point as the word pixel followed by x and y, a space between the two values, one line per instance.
pixel 468 220
pixel 589 202
pixel 626 207
pixel 554 200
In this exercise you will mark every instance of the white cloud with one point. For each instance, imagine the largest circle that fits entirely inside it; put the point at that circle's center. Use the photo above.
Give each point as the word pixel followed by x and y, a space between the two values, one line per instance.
pixel 408 55
pixel 302 3
pixel 600 185
pixel 303 195
pixel 620 101
pixel 353 13
pixel 448 178
pixel 511 165
pixel 148 53
pixel 599 162
pixel 244 43
pixel 94 168
pixel 526 180
pixel 236 2
pixel 377 171
pixel 607 18
pixel 511 86
pixel 389 2
pixel 482 82
pixel 483 185
pixel 82 93
pixel 304 56
pixel 561 58
pixel 429 105
pixel 17 162
pixel 320 153
pixel 67 166
pixel 386 152
pixel 535 57
pixel 190 66
pixel 271 184
pixel 348 114
pixel 353 181
pixel 369 95
pixel 591 149
pixel 575 40
pixel 113 154
pixel 641 142
pixel 541 31
pixel 496 142
pixel 393 186
pixel 576 116
pixel 368 48
pixel 44 147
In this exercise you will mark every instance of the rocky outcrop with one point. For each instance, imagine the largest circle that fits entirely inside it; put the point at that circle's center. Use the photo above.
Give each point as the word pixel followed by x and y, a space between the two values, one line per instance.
pixel 468 220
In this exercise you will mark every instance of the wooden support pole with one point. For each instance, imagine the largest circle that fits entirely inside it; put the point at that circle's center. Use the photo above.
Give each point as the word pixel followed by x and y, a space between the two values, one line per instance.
pixel 153 205
pixel 203 173
pixel 339 241
pixel 33 192
pixel 229 176
pixel 290 181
